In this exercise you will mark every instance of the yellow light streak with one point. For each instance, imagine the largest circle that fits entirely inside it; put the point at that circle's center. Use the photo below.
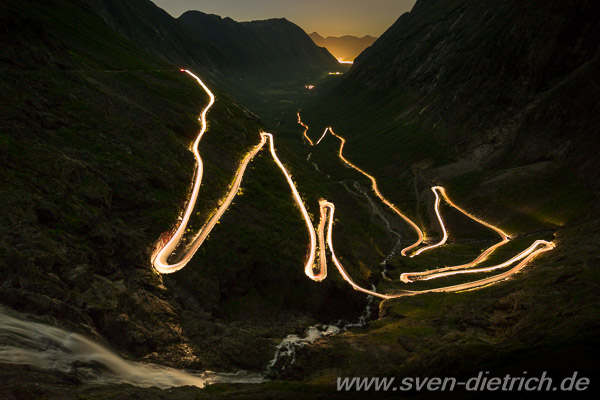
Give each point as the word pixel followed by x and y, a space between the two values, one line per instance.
pixel 439 217
pixel 308 268
pixel 527 255
pixel 518 257
pixel 406 277
pixel 305 129
pixel 327 209
pixel 373 183
pixel 414 276
pixel 323 135
pixel 321 234
pixel 160 258
pixel 432 274
pixel 378 193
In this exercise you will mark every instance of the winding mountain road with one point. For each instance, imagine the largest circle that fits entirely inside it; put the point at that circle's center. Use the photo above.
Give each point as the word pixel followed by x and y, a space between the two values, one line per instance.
pixel 166 245
pixel 328 208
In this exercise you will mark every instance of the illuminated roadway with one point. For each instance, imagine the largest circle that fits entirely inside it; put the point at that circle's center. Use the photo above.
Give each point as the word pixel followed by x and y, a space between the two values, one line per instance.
pixel 535 249
pixel 373 183
pixel 538 247
pixel 164 251
pixel 167 245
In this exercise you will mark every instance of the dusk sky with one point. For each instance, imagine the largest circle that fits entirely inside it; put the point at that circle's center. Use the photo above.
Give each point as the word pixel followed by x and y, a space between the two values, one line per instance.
pixel 328 17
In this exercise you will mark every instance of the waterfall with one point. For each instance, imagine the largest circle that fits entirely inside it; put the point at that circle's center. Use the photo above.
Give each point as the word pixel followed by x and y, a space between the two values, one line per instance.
pixel 47 347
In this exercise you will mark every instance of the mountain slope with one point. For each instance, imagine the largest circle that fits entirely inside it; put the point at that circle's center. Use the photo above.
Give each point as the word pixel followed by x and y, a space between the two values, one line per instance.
pixel 153 29
pixel 95 165
pixel 509 75
pixel 269 49
pixel 226 51
pixel 499 103
pixel 343 47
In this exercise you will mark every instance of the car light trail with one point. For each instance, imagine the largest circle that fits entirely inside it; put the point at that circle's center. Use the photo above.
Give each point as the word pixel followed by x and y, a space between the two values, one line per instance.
pixel 327 209
pixel 342 61
pixel 439 217
pixel 414 276
pixel 321 233
pixel 323 135
pixel 406 277
pixel 373 183
pixel 528 254
pixel 308 268
pixel 538 247
pixel 160 261
pixel 377 192
pixel 305 129
pixel 518 257
pixel 160 258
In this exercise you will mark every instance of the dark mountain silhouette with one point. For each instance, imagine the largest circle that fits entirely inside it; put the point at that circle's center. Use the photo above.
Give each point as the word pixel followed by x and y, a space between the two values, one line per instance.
pixel 269 48
pixel 344 47
pixel 220 48
pixel 153 29
pixel 499 102
pixel 502 83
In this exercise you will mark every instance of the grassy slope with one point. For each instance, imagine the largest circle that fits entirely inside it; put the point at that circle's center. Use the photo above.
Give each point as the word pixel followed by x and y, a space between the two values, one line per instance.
pixel 471 327
pixel 407 146
pixel 95 166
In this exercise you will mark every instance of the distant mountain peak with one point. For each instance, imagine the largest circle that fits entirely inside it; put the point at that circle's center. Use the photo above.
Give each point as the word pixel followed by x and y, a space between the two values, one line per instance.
pixel 345 47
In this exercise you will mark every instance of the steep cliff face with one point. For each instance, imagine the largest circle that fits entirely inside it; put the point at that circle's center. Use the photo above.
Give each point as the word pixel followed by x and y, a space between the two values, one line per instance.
pixel 509 82
pixel 270 49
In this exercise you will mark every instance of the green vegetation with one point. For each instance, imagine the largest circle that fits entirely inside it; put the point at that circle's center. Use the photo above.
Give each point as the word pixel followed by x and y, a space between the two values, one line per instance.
pixel 96 165
pixel 95 161
pixel 449 110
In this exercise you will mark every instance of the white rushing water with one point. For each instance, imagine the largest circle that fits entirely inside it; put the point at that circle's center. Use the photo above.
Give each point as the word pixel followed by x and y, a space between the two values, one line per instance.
pixel 47 347
pixel 51 348
pixel 286 350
